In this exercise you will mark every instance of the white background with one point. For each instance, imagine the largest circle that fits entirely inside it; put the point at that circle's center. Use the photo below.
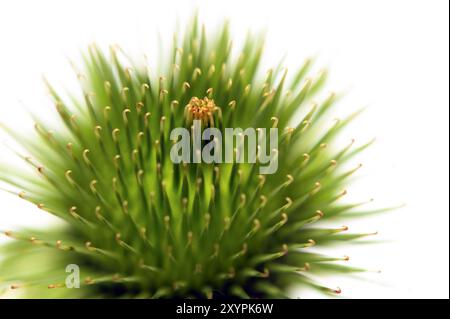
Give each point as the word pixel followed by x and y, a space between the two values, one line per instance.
pixel 392 56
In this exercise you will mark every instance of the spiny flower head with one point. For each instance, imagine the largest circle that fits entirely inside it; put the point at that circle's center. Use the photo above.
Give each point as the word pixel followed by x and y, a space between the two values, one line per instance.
pixel 139 225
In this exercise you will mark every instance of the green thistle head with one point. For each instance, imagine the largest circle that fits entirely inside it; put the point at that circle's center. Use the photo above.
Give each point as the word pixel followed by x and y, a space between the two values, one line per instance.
pixel 139 225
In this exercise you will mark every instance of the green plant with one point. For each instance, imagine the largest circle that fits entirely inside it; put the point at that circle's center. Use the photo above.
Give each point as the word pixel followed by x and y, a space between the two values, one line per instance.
pixel 139 225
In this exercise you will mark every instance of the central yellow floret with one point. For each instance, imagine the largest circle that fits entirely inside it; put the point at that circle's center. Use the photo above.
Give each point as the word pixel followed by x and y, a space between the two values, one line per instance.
pixel 201 109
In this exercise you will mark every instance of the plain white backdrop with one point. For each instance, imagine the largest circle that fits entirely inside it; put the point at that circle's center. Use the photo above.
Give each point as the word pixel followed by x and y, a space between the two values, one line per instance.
pixel 391 56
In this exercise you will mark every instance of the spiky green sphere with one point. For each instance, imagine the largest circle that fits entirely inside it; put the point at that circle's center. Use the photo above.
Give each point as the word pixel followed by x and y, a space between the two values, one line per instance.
pixel 139 225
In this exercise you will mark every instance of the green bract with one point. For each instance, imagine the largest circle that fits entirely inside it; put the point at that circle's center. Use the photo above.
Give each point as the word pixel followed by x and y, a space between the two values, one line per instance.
pixel 139 225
